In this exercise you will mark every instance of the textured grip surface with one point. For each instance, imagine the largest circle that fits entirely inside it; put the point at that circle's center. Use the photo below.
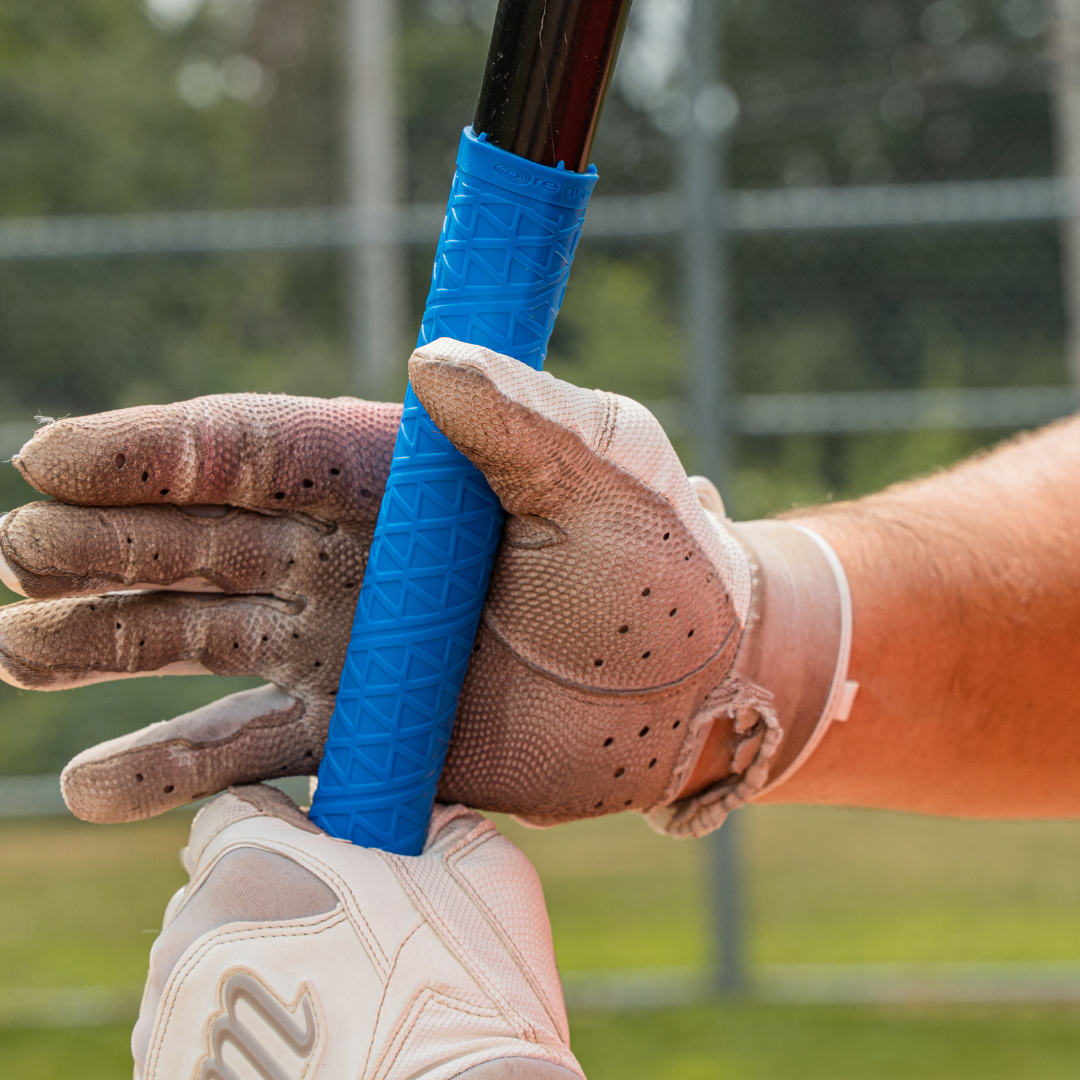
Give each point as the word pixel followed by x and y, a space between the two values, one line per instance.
pixel 501 268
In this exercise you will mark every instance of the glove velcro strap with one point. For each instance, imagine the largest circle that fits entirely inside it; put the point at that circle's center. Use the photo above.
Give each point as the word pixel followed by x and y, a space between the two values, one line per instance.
pixel 788 683
pixel 756 736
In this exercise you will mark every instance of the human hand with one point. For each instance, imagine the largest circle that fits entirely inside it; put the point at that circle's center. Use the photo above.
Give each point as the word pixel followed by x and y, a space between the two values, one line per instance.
pixel 293 954
pixel 636 651
pixel 248 518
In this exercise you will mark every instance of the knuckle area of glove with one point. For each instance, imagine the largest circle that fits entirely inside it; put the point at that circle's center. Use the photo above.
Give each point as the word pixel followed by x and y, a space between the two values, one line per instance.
pixel 328 457
pixel 525 744
pixel 531 462
pixel 62 550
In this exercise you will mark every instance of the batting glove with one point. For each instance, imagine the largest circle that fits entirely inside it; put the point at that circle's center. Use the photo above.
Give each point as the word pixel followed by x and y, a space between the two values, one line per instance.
pixel 637 650
pixel 292 955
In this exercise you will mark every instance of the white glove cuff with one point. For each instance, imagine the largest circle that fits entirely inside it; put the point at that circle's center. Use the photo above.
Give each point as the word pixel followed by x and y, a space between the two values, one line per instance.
pixel 842 691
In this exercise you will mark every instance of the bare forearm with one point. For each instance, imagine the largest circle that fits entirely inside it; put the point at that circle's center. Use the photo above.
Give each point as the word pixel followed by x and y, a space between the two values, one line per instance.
pixel 966 594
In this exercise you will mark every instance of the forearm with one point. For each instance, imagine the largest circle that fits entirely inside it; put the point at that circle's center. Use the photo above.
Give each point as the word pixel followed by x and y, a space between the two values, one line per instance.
pixel 966 598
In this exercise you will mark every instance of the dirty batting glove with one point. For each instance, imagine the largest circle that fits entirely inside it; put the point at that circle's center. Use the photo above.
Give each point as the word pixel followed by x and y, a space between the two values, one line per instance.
pixel 291 954
pixel 242 522
pixel 637 650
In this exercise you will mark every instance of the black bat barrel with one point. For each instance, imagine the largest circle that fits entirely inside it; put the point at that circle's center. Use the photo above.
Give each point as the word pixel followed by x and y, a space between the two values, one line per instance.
pixel 548 70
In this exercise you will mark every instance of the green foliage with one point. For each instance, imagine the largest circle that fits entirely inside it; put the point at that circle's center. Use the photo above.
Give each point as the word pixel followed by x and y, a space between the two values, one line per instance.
pixel 90 120
pixel 441 68
pixel 615 332
pixel 844 92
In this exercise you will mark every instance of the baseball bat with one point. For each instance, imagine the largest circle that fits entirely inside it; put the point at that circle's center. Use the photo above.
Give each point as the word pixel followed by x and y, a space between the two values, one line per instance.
pixel 512 225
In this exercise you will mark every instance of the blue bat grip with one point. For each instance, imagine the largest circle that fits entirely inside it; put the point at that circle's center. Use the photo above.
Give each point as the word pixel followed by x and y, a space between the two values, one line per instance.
pixel 509 236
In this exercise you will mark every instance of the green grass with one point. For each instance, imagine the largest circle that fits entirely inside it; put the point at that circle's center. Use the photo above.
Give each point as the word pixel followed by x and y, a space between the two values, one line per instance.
pixel 849 885
pixel 745 1042
pixel 823 885
pixel 80 904
pixel 761 1042
pixel 76 902
pixel 76 1054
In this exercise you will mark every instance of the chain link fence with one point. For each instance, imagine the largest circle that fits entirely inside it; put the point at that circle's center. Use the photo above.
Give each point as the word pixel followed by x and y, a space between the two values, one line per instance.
pixel 893 224
pixel 894 214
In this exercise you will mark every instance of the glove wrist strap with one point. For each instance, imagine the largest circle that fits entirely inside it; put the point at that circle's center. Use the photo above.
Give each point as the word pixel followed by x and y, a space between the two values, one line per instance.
pixel 842 691
pixel 786 686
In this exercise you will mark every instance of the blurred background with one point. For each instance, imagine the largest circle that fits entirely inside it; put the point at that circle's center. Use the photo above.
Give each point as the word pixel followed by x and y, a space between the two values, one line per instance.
pixel 836 243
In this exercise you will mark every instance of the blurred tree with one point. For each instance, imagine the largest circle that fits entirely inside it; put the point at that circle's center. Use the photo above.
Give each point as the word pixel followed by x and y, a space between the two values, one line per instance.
pixel 110 106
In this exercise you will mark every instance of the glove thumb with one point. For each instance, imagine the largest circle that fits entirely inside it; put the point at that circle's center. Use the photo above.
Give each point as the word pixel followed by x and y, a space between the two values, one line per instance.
pixel 538 440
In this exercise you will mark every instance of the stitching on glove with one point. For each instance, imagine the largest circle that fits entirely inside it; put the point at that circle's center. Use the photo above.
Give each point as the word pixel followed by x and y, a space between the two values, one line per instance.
pixel 413 1012
pixel 402 865
pixel 466 846
pixel 418 924
pixel 295 928
pixel 482 833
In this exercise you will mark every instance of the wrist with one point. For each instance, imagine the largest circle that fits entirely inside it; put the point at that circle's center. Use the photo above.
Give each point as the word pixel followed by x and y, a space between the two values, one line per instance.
pixel 792 656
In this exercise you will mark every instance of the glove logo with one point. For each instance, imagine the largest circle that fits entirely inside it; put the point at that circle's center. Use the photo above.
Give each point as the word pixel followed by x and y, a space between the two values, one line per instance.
pixel 513 173
pixel 256 1033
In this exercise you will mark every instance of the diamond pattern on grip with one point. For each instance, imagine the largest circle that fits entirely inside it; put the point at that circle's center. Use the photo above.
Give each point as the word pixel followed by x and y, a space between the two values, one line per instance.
pixel 504 256
pixel 420 602
pixel 501 270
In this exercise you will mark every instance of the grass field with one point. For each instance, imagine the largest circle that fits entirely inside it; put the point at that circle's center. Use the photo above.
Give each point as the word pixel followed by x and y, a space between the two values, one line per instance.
pixel 79 904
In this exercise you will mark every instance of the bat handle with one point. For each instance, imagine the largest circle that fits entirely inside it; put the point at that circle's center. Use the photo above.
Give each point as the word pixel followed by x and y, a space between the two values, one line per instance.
pixel 504 255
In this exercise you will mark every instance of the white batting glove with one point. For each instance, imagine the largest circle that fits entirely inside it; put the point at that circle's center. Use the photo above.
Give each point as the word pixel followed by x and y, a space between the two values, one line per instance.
pixel 294 956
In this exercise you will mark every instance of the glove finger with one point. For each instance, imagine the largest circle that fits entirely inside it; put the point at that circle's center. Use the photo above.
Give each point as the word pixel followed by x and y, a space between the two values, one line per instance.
pixel 254 735
pixel 328 458
pixel 527 432
pixel 538 440
pixel 50 549
pixel 58 644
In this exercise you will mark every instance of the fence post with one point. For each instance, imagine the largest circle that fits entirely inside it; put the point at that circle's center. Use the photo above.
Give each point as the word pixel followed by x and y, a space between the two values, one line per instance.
pixel 703 252
pixel 1065 51
pixel 712 110
pixel 728 976
pixel 374 151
